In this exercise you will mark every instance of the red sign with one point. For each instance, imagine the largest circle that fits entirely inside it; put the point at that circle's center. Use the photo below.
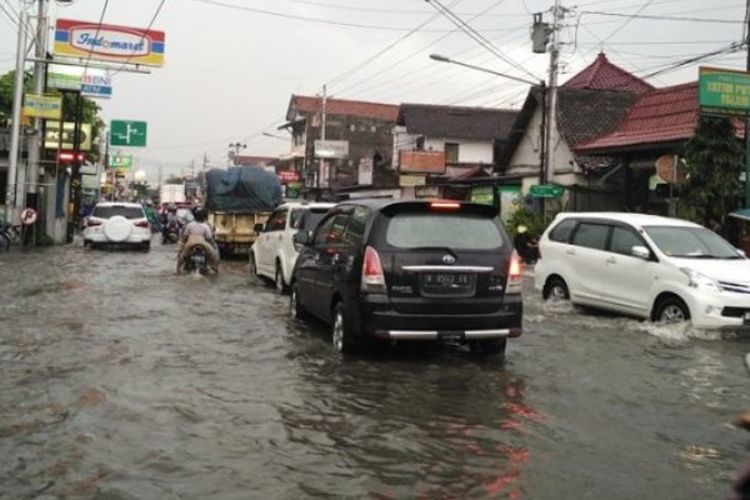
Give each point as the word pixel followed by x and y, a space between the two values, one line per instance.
pixel 422 162
pixel 288 176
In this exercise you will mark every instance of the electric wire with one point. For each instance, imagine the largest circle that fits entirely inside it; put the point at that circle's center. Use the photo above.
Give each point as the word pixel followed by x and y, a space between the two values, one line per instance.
pixel 143 36
pixel 627 21
pixel 394 65
pixel 478 37
pixel 662 18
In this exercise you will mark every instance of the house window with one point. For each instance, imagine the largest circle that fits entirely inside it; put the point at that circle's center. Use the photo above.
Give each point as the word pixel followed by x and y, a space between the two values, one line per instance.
pixel 420 143
pixel 451 152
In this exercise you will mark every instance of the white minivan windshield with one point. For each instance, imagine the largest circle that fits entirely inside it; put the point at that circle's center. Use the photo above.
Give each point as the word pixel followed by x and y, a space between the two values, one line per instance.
pixel 691 242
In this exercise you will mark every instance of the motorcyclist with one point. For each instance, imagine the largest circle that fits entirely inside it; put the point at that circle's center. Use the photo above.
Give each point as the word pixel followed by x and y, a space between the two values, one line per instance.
pixel 198 232
pixel 171 222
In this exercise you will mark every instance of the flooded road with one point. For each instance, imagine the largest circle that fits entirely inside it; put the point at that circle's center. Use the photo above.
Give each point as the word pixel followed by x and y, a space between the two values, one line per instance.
pixel 121 380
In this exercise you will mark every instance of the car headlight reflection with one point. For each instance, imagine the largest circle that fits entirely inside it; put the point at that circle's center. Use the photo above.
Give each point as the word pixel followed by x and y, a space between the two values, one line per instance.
pixel 701 281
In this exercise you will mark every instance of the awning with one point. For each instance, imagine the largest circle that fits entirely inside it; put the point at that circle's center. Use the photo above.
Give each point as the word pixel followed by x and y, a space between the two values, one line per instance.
pixel 743 213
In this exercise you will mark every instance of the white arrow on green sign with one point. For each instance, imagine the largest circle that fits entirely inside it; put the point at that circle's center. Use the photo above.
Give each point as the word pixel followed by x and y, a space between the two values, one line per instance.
pixel 127 133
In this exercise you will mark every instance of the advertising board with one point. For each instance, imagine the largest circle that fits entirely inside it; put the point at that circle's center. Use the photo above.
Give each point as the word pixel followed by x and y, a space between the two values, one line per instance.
pixel 109 43
pixel 724 91
pixel 42 106
pixel 52 136
pixel 421 162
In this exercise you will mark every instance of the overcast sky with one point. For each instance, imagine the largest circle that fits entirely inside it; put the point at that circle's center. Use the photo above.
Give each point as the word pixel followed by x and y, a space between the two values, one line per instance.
pixel 231 68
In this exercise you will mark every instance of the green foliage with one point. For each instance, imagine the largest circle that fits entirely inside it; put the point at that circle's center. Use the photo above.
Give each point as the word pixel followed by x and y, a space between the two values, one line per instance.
pixel 715 160
pixel 532 220
pixel 7 83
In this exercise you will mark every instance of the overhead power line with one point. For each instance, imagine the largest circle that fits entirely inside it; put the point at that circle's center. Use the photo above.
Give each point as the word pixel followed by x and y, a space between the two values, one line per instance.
pixel 317 20
pixel 628 21
pixel 386 49
pixel 338 6
pixel 150 25
pixel 477 37
pixel 663 18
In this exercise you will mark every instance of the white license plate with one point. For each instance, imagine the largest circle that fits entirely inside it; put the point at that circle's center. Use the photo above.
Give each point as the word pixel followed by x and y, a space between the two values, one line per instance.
pixel 746 318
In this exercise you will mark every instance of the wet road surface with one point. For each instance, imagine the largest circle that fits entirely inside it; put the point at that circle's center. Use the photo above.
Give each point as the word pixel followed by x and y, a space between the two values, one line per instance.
pixel 121 380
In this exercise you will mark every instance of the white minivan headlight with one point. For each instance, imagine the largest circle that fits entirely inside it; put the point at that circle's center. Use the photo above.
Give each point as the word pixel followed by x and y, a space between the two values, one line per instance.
pixel 698 280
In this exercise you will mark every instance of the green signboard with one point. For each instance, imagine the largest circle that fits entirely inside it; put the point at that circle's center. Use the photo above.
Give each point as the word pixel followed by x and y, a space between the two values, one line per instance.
pixel 724 91
pixel 127 133
pixel 483 194
pixel 120 161
pixel 546 191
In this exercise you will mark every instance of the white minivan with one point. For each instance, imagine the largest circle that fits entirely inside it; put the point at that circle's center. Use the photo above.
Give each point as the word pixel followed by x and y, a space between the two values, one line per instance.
pixel 274 253
pixel 663 269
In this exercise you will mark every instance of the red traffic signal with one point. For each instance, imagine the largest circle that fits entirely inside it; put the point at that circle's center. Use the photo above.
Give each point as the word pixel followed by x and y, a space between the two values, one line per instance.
pixel 69 156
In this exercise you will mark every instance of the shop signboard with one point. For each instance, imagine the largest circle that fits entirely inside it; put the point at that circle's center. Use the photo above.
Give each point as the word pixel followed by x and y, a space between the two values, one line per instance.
pixel 483 194
pixel 724 91
pixel 109 43
pixel 52 136
pixel 412 180
pixel 546 191
pixel 332 149
pixel 42 106
pixel 421 162
pixel 96 86
pixel 124 162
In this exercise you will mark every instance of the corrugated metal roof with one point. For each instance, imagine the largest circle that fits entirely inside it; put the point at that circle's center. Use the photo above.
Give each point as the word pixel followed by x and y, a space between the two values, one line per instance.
pixel 343 107
pixel 663 115
pixel 458 122
pixel 603 75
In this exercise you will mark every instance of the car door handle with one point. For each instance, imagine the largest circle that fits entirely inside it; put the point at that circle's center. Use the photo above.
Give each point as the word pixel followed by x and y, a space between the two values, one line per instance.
pixel 611 260
pixel 570 252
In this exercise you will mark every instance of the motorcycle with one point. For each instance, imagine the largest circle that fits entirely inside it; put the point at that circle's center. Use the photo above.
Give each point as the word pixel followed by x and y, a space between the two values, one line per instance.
pixel 171 232
pixel 197 260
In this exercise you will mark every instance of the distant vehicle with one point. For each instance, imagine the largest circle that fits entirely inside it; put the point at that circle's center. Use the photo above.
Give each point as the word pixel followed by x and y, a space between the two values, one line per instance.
pixel 238 199
pixel 410 271
pixel 172 194
pixel 274 253
pixel 118 223
pixel 658 268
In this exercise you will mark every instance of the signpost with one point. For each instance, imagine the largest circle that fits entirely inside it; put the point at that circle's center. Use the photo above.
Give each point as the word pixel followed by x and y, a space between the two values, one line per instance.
pixel 546 191
pixel 123 162
pixel 727 92
pixel 128 133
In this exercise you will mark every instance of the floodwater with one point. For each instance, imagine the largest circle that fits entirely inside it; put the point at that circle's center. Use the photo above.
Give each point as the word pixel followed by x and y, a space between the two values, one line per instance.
pixel 121 380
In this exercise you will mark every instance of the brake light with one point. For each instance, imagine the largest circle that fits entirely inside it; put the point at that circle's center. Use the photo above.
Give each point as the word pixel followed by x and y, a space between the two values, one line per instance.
pixel 373 277
pixel 142 223
pixel 445 205
pixel 93 222
pixel 515 275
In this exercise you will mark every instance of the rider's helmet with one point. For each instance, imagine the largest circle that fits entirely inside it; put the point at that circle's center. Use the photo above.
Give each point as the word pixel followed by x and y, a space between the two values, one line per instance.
pixel 200 214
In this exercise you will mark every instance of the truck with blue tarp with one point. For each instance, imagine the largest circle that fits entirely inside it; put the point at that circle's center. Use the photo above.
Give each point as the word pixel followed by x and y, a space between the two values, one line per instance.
pixel 237 199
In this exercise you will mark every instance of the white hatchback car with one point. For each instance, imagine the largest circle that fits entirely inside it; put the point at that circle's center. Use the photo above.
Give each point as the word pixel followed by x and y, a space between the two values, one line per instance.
pixel 118 224
pixel 659 268
pixel 274 253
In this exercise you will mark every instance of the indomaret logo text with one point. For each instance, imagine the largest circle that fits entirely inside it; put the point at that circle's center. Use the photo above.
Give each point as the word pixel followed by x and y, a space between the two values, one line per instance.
pixel 113 43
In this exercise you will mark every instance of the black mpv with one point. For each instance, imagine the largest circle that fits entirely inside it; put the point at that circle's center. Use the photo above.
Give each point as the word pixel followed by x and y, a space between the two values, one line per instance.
pixel 412 271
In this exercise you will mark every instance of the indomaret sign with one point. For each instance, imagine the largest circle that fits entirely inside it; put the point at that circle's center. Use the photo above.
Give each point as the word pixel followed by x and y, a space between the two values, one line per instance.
pixel 106 42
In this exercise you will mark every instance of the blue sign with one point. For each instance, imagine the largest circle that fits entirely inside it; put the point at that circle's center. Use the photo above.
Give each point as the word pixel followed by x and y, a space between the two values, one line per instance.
pixel 100 91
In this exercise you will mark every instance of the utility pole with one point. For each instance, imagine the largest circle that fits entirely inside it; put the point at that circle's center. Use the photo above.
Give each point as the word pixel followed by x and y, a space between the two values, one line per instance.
pixel 550 135
pixel 322 161
pixel 37 139
pixel 15 137
pixel 747 119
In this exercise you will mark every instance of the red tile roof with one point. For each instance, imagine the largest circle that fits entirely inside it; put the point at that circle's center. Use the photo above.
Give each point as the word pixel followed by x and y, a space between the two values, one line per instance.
pixel 660 116
pixel 361 109
pixel 603 75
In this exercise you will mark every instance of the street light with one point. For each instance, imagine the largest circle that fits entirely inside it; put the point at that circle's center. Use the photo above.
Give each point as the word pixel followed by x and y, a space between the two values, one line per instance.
pixel 544 133
pixel 281 138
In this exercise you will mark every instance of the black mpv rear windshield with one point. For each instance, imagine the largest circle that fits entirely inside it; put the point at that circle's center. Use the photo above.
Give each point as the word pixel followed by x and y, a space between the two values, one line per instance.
pixel 457 231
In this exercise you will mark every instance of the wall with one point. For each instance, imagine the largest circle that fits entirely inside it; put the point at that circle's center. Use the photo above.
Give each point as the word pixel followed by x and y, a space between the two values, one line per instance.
pixel 468 151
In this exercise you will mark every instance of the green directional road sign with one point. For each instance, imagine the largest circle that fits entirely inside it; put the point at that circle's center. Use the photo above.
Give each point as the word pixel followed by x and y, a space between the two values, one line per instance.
pixel 120 161
pixel 127 133
pixel 546 191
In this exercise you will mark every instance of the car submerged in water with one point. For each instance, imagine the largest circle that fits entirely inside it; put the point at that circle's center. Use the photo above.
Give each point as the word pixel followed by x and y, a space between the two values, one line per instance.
pixel 410 271
pixel 659 268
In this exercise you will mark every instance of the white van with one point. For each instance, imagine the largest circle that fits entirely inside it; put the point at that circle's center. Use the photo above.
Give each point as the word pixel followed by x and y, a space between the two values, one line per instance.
pixel 274 254
pixel 663 269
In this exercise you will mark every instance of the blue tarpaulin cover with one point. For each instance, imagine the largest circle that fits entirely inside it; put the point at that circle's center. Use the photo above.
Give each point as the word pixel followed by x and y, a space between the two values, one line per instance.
pixel 743 213
pixel 242 189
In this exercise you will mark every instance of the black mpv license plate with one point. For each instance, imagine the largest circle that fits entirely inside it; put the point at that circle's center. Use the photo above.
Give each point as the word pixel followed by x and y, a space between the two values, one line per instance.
pixel 448 283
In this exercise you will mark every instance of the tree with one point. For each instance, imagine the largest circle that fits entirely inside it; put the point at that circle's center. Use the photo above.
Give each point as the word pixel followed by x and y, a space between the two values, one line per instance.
pixel 715 160
pixel 90 108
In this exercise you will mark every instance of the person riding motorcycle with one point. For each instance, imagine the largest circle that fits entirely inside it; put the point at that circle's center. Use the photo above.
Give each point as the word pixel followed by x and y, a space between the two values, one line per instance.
pixel 200 233
pixel 171 223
